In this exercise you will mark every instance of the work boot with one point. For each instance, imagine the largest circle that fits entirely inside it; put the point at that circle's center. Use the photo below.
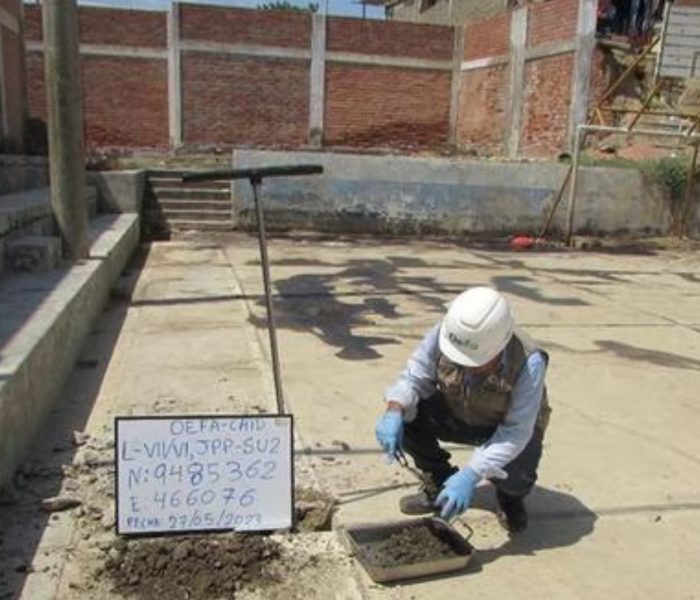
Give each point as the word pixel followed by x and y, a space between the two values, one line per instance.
pixel 512 513
pixel 423 501
pixel 420 503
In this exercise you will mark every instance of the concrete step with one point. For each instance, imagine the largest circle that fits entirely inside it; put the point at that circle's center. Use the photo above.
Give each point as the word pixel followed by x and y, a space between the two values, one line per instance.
pixel 184 224
pixel 29 212
pixel 176 175
pixel 32 254
pixel 196 215
pixel 191 193
pixel 154 183
pixel 177 204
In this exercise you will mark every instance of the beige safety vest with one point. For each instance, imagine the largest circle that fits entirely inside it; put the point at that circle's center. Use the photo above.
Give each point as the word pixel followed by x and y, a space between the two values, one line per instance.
pixel 485 401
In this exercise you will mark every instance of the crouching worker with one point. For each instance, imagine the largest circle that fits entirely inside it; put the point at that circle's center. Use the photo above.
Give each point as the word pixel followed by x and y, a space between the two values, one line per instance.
pixel 472 380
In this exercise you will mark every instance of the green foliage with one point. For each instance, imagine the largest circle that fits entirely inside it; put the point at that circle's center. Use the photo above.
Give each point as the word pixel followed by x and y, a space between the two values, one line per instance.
pixel 286 5
pixel 671 172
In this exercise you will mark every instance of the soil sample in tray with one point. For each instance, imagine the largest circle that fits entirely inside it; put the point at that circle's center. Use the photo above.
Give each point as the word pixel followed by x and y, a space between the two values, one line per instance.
pixel 408 546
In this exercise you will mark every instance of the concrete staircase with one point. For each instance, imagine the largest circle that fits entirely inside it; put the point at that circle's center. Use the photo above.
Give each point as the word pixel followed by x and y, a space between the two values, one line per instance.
pixel 171 205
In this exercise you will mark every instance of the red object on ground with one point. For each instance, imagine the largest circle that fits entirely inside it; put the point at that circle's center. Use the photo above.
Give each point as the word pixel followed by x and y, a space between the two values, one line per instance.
pixel 522 242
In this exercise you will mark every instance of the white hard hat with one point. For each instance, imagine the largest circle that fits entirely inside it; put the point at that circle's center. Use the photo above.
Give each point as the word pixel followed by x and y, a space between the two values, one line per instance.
pixel 477 326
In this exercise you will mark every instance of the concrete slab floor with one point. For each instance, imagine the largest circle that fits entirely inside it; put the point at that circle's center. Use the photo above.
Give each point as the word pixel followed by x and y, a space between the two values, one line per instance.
pixel 615 511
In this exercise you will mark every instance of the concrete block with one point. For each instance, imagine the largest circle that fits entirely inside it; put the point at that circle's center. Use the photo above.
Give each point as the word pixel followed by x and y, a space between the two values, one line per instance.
pixel 119 191
pixel 27 212
pixel 32 254
pixel 22 172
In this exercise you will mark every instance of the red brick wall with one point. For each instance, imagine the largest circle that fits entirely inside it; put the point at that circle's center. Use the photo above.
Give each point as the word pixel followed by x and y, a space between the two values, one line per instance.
pixel 240 26
pixel 123 27
pixel 125 101
pixel 547 101
pixel 484 92
pixel 552 22
pixel 384 106
pixel 687 3
pixel 109 26
pixel 392 38
pixel 490 37
pixel 32 22
pixel 12 6
pixel 36 92
pixel 482 109
pixel 233 100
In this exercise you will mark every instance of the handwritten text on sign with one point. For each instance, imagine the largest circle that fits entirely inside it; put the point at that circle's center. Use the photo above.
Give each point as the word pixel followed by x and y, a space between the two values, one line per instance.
pixel 208 473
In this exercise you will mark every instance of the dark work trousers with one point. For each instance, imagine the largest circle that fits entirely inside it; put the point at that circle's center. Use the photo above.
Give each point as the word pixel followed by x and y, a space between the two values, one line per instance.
pixel 434 423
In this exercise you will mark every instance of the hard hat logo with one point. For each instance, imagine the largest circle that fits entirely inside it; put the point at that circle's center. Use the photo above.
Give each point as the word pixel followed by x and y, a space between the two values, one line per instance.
pixel 468 344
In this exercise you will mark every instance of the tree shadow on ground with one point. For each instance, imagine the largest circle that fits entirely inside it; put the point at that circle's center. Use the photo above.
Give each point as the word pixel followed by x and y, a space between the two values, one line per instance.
pixel 522 286
pixel 319 303
pixel 557 520
pixel 625 351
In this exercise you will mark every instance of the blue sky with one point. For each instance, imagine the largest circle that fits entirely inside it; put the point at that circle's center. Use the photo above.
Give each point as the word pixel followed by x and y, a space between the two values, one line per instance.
pixel 335 7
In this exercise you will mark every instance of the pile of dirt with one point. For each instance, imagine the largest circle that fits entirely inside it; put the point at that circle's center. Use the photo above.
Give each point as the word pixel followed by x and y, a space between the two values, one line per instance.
pixel 192 567
pixel 408 546
pixel 313 509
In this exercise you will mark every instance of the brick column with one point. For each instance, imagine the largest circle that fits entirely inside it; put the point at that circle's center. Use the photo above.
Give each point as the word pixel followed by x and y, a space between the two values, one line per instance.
pixel 317 80
pixel 174 76
pixel 516 81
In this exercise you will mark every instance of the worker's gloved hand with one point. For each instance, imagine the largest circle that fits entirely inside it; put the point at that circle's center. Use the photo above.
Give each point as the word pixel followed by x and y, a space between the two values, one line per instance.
pixel 389 430
pixel 456 493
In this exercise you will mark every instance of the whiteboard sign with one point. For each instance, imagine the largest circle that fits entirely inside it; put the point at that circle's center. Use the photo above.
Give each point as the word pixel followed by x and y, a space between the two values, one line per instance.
pixel 187 474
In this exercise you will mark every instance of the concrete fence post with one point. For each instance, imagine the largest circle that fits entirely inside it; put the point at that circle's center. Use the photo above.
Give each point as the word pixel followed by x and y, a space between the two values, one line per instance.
pixel 457 58
pixel 581 76
pixel 516 81
pixel 4 121
pixel 317 80
pixel 64 108
pixel 174 76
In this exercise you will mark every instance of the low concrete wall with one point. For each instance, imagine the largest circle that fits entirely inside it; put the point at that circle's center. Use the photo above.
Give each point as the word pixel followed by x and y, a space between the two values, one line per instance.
pixel 399 195
pixel 22 172
pixel 119 191
pixel 46 319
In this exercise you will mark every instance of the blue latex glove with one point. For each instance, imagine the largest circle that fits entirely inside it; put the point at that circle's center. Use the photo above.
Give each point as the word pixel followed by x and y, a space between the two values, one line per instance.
pixel 389 430
pixel 456 493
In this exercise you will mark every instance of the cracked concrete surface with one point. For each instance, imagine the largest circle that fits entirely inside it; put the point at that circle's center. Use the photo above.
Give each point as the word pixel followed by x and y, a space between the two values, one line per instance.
pixel 615 512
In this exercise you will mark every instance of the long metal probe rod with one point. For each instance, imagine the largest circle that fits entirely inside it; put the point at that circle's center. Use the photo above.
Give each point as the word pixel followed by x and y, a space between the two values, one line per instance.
pixel 271 328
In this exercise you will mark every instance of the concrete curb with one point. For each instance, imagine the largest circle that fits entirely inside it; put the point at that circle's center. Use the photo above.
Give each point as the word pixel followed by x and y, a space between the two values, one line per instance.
pixel 46 319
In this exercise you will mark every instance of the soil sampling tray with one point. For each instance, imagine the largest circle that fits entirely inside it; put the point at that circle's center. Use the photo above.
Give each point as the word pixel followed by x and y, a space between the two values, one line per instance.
pixel 408 549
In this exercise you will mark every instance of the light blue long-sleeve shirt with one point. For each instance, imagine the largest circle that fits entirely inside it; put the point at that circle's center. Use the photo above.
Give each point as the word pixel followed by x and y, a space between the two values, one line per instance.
pixel 418 383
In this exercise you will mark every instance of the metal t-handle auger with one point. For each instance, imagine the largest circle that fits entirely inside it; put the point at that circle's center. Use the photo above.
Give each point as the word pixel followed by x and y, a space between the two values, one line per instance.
pixel 255 176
